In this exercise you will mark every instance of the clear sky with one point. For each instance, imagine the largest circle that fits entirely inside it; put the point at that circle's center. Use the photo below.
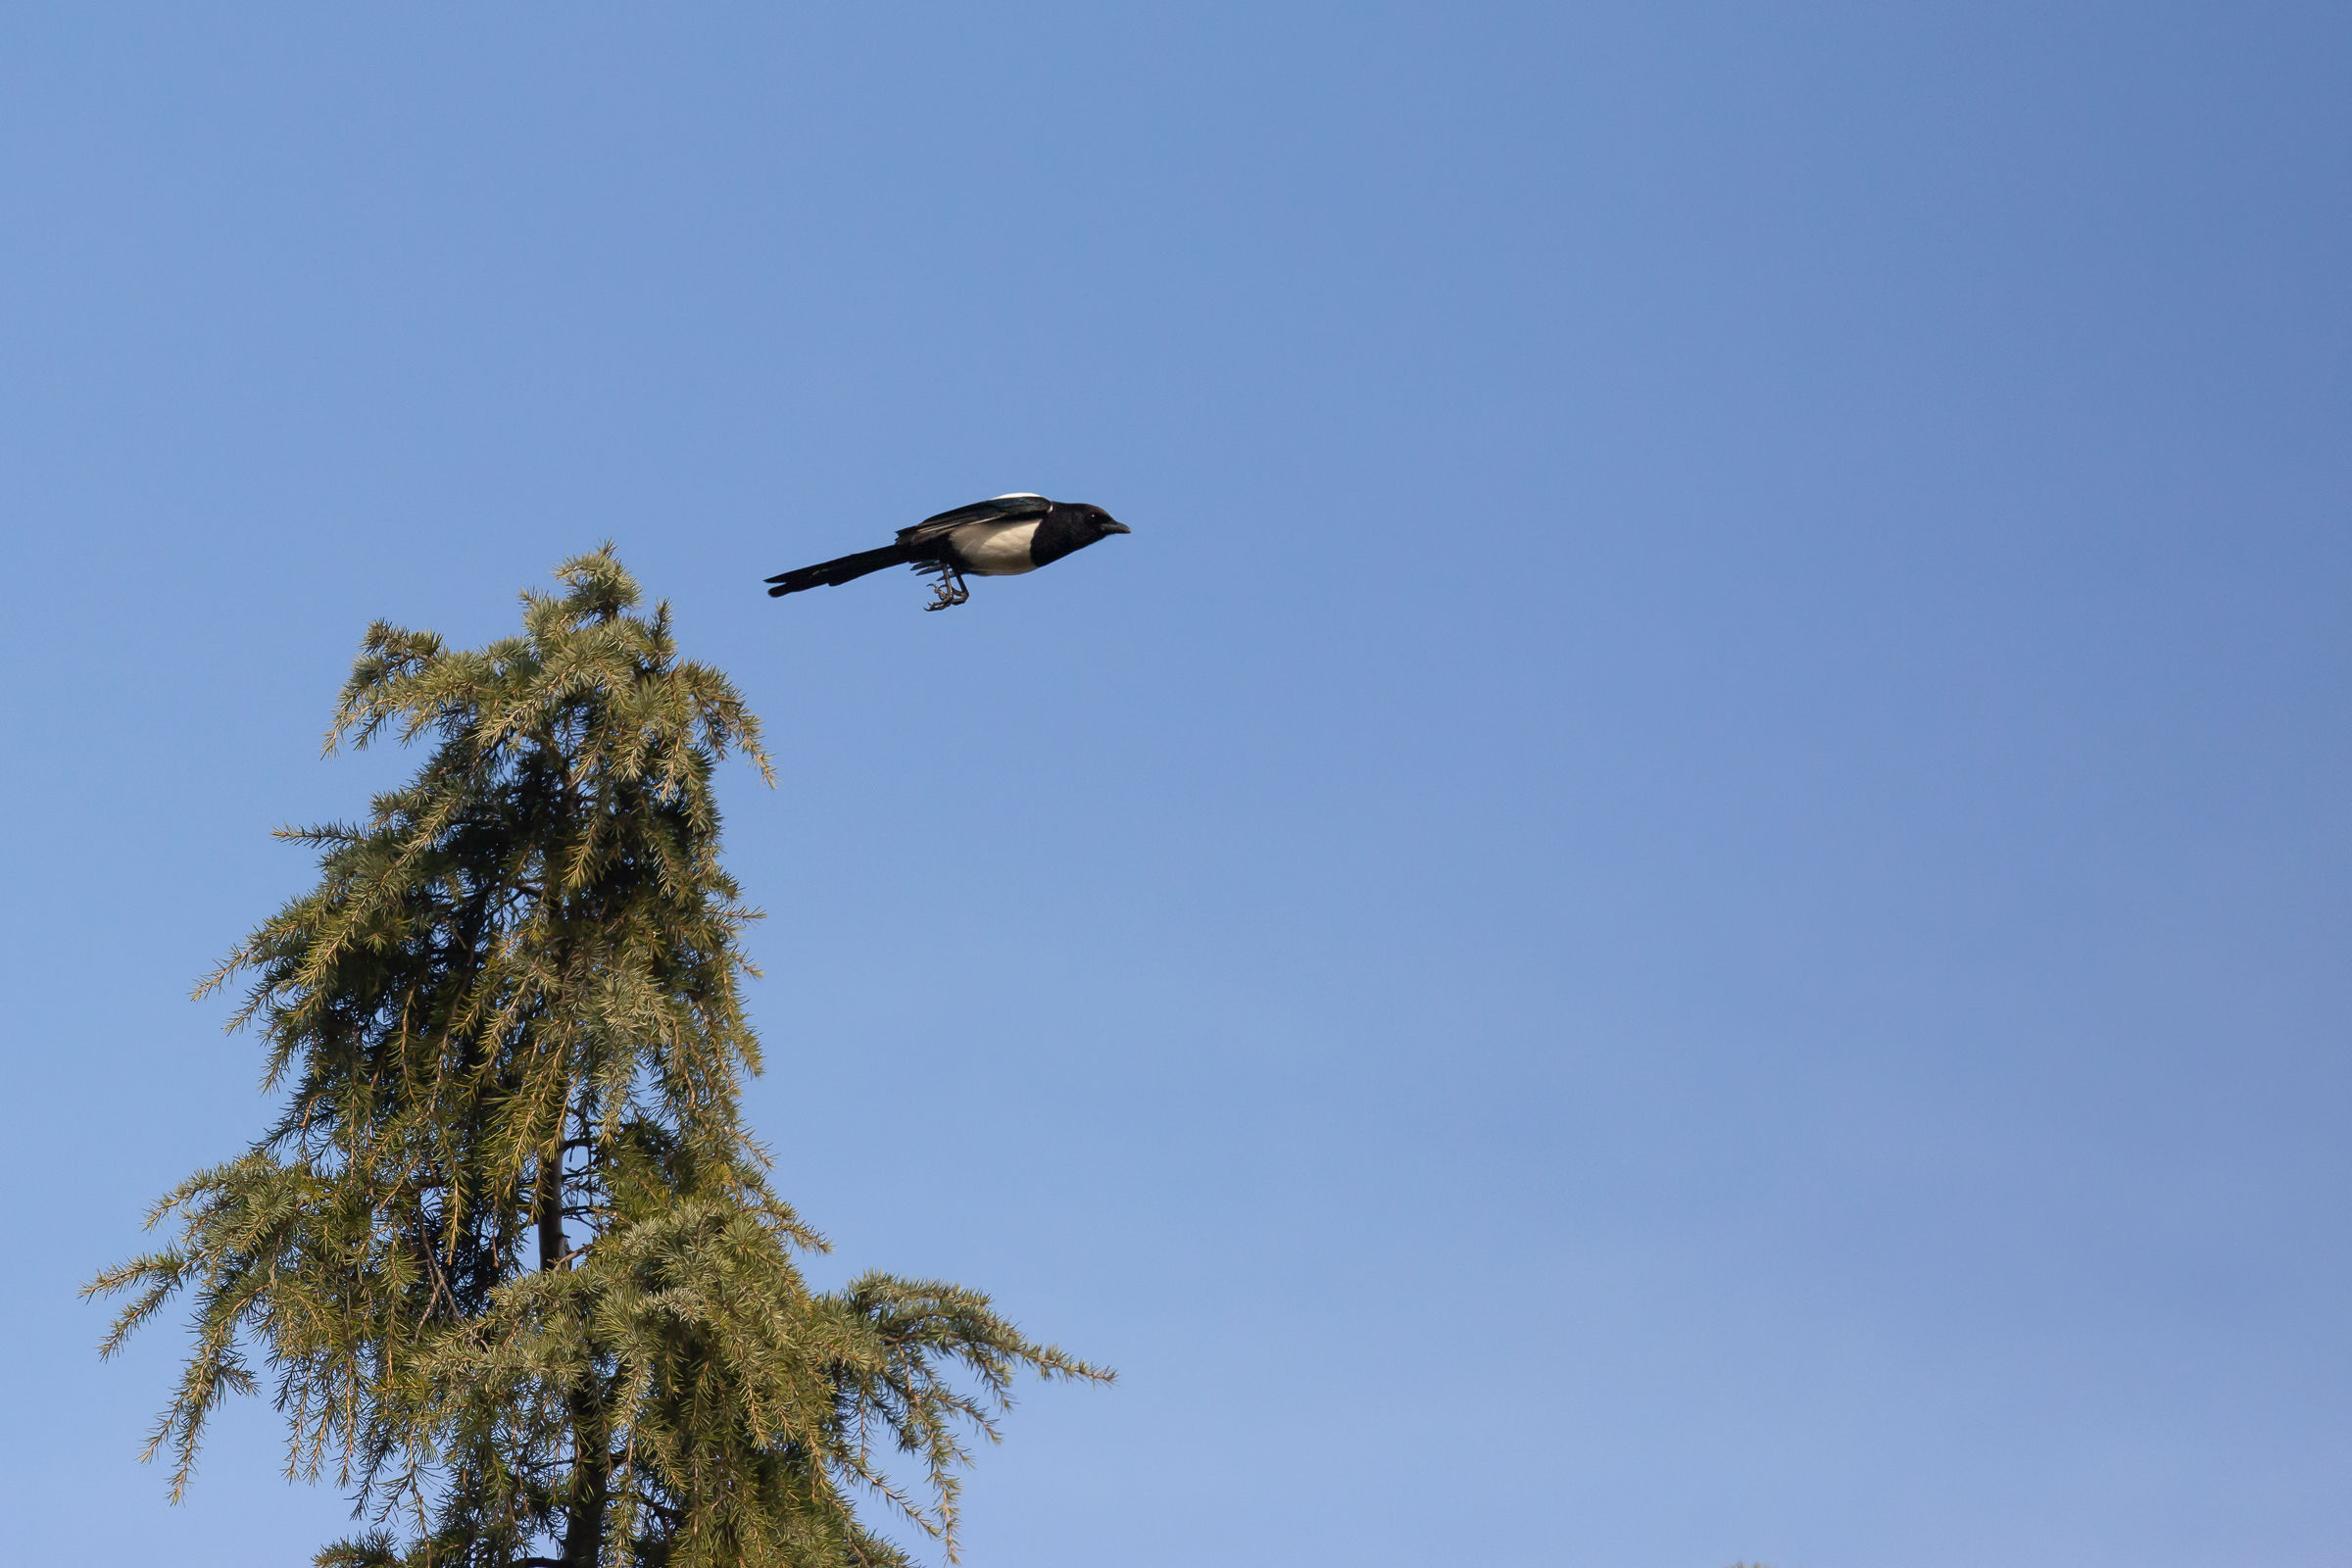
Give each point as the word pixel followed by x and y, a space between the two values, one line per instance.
pixel 1687 896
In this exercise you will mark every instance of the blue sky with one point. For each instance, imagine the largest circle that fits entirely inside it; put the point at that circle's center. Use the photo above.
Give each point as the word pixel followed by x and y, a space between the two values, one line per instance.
pixel 1685 898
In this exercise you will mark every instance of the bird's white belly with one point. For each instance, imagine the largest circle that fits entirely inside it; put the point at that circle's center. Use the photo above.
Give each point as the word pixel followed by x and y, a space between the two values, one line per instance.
pixel 995 549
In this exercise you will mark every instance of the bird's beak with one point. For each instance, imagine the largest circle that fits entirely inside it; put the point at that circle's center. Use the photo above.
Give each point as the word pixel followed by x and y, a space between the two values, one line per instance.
pixel 1109 525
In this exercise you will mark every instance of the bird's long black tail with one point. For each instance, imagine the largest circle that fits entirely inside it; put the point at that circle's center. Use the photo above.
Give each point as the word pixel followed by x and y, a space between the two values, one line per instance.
pixel 833 573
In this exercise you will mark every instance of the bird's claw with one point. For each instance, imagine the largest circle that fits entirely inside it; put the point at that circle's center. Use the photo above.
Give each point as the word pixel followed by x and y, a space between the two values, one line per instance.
pixel 949 591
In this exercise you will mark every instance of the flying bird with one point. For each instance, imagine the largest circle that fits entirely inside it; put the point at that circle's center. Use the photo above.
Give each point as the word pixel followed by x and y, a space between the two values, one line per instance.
pixel 999 538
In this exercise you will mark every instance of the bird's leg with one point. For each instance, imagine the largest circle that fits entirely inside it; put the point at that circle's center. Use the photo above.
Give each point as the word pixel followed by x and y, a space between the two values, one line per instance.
pixel 949 589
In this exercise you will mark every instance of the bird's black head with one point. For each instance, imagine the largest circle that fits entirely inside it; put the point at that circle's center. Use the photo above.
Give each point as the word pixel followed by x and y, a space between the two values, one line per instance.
pixel 1071 525
pixel 1099 521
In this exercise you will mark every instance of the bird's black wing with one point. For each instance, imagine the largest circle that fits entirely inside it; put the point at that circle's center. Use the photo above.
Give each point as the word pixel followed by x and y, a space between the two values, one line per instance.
pixel 1001 508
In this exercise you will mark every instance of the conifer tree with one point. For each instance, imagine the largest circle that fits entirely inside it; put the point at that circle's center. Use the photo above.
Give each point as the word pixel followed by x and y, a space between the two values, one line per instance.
pixel 509 1256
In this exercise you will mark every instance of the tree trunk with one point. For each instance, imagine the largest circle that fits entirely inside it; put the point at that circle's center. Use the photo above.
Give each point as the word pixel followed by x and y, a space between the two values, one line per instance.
pixel 550 1202
pixel 590 1445
pixel 591 1481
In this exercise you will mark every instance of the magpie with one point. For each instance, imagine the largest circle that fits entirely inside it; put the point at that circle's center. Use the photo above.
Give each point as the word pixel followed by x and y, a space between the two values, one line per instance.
pixel 999 538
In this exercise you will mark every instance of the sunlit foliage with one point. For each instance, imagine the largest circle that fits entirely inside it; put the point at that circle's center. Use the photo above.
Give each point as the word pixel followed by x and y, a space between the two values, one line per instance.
pixel 508 1262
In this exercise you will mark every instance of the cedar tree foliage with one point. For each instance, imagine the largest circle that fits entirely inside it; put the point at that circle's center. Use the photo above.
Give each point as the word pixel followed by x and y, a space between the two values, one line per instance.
pixel 509 1256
